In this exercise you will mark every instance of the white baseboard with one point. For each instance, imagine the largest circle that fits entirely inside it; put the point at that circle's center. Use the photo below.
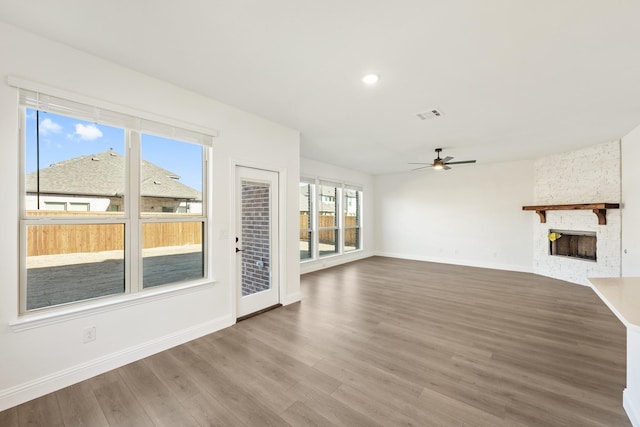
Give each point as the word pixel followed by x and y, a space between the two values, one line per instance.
pixel 332 261
pixel 466 263
pixel 39 387
pixel 632 407
pixel 291 299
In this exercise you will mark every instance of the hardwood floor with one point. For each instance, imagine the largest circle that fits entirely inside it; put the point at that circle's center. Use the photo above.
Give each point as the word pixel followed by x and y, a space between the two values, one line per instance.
pixel 378 342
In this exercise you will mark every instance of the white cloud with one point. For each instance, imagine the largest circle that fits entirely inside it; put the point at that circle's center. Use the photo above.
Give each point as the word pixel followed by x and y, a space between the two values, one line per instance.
pixel 88 133
pixel 48 126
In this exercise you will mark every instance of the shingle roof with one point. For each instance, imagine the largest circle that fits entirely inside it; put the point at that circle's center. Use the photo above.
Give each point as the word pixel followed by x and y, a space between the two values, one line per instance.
pixel 103 175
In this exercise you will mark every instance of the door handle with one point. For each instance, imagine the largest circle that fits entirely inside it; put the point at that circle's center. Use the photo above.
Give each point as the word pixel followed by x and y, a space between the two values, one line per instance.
pixel 239 250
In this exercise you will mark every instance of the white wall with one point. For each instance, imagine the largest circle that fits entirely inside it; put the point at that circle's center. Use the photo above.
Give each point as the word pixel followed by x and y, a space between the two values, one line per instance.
pixel 631 395
pixel 41 359
pixel 314 169
pixel 469 215
pixel 590 175
pixel 630 147
pixel 631 204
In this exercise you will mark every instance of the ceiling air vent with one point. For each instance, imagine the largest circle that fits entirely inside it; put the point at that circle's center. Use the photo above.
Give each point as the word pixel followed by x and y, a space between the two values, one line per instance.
pixel 430 114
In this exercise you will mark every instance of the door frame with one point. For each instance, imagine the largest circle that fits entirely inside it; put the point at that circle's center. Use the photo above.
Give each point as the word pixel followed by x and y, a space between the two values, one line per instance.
pixel 234 280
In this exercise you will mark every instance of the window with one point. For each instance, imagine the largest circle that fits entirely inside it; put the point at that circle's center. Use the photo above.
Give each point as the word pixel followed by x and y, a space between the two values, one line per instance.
pixel 306 224
pixel 55 206
pixel 90 228
pixel 330 218
pixel 79 207
pixel 351 219
pixel 328 228
pixel 165 233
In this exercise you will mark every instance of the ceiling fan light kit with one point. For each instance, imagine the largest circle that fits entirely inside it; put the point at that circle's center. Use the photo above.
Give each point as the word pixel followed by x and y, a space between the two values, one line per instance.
pixel 440 164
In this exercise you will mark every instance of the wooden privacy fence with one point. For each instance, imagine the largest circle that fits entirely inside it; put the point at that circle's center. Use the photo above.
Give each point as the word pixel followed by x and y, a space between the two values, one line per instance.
pixel 329 236
pixel 81 238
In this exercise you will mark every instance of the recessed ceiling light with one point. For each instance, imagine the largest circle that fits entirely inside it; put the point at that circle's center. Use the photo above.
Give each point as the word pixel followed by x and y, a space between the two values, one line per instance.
pixel 370 79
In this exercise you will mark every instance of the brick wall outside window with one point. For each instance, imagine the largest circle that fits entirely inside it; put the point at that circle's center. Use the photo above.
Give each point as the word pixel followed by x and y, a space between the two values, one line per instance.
pixel 255 237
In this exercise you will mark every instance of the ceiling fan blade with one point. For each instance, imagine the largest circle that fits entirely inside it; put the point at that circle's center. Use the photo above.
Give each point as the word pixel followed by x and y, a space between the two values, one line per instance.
pixel 461 163
pixel 445 167
pixel 423 167
pixel 411 163
pixel 447 159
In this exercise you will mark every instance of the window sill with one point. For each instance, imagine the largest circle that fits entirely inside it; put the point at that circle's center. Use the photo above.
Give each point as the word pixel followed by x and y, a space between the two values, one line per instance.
pixel 90 308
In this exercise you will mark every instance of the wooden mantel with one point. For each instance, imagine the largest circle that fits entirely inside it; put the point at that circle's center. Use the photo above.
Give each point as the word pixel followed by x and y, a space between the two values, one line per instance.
pixel 600 209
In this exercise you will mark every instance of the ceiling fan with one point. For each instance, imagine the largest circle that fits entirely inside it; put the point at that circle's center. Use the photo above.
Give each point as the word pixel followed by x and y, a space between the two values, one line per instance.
pixel 439 163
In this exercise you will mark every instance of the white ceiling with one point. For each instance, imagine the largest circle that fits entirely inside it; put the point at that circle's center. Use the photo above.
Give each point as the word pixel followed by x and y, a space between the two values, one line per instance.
pixel 515 79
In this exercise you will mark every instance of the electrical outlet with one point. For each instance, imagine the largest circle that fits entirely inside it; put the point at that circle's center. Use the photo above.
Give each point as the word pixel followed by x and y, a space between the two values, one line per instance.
pixel 89 334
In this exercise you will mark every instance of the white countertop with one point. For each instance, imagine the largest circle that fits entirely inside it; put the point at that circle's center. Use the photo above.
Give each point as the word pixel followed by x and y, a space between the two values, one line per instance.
pixel 622 296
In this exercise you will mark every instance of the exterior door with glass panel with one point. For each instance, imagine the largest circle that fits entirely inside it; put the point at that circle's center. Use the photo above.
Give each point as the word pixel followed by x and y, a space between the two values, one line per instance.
pixel 256 248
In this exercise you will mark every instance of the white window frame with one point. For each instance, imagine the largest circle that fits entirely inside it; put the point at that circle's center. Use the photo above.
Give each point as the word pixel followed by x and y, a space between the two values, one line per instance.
pixel 312 218
pixel 337 226
pixel 134 123
pixel 340 226
pixel 358 225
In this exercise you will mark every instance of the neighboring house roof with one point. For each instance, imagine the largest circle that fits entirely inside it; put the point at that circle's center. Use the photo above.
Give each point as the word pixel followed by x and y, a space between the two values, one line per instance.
pixel 103 175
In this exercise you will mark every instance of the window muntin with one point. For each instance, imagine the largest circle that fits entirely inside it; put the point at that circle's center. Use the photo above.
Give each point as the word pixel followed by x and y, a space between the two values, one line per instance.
pixel 109 216
pixel 351 208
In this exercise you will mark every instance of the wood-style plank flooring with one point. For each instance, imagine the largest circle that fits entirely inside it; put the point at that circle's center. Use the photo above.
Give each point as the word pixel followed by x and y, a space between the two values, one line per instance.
pixel 378 342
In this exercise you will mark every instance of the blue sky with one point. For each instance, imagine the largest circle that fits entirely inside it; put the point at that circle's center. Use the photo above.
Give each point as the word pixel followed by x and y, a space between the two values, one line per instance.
pixel 63 138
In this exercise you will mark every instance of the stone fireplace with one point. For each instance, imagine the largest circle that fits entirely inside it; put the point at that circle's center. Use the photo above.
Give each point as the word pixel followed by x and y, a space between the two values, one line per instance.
pixel 590 175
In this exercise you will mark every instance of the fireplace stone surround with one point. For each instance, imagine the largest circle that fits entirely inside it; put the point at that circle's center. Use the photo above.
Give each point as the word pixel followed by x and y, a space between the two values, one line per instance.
pixel 580 177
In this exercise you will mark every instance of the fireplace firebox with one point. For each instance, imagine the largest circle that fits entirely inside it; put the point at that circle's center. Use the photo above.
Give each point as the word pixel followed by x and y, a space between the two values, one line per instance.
pixel 573 244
